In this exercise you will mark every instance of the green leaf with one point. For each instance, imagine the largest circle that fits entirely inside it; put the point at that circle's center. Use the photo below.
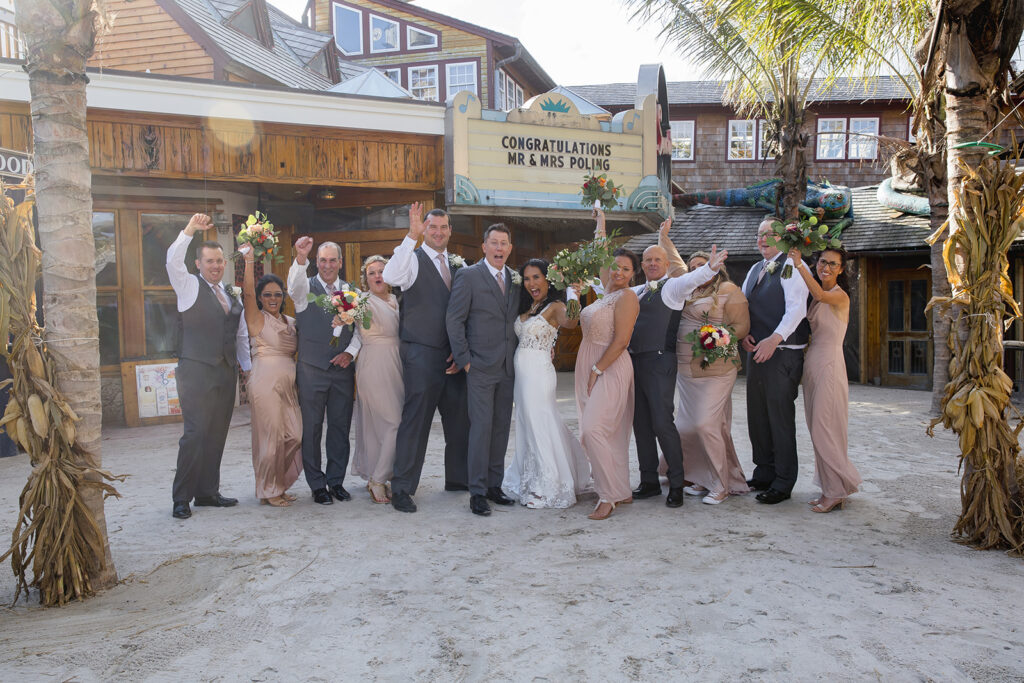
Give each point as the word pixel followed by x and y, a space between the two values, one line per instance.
pixel 310 297
pixel 251 220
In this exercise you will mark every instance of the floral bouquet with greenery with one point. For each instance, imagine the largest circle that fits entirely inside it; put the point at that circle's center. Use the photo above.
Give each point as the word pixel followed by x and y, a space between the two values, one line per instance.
pixel 807 236
pixel 582 265
pixel 597 189
pixel 713 342
pixel 258 232
pixel 348 306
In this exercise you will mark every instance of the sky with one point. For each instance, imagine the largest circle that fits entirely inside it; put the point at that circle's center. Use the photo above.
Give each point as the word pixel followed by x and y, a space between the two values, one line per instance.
pixel 578 42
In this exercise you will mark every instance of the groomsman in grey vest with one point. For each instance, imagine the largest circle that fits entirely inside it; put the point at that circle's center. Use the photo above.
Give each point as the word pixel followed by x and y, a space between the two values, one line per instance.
pixel 432 380
pixel 481 315
pixel 652 349
pixel 778 335
pixel 214 344
pixel 324 373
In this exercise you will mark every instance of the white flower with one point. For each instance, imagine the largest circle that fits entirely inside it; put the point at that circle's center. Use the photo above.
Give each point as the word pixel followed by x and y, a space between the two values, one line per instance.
pixel 772 267
pixel 517 279
pixel 653 285
pixel 456 261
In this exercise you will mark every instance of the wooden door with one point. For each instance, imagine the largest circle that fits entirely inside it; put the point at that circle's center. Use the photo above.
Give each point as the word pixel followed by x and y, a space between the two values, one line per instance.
pixel 906 344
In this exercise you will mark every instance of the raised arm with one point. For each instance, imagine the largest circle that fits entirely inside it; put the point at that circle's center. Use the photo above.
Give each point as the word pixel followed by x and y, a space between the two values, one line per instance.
pixel 298 283
pixel 835 297
pixel 557 316
pixel 185 286
pixel 676 265
pixel 678 289
pixel 253 315
pixel 402 268
pixel 626 310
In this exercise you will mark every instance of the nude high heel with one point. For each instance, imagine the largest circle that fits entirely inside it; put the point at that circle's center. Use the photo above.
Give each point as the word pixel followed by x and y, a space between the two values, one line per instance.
pixel 838 504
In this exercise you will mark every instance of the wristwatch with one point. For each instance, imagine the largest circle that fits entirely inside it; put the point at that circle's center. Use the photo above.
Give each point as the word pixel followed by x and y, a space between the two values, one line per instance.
pixel 593 369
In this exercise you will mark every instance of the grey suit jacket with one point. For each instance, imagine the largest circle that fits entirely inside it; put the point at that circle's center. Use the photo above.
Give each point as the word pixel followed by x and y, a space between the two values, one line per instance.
pixel 480 321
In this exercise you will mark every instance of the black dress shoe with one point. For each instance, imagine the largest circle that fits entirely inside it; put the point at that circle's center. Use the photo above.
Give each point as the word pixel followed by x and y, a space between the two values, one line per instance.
pixel 647 490
pixel 674 499
pixel 181 511
pixel 478 504
pixel 339 492
pixel 758 485
pixel 321 496
pixel 455 486
pixel 496 495
pixel 402 502
pixel 772 496
pixel 217 501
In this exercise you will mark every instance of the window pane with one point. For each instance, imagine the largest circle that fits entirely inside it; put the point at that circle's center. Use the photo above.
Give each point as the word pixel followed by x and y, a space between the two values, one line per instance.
pixel 897 363
pixel 163 325
pixel 919 357
pixel 394 74
pixel 741 139
pixel 348 29
pixel 106 249
pixel 896 305
pixel 461 77
pixel 519 97
pixel 420 39
pixel 499 91
pixel 682 140
pixel 110 328
pixel 159 230
pixel 863 143
pixel 831 138
pixel 762 146
pixel 918 300
pixel 383 34
pixel 423 82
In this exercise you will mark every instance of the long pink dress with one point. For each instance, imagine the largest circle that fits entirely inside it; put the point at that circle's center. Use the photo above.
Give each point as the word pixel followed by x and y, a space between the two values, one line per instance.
pixel 826 401
pixel 381 393
pixel 704 415
pixel 276 421
pixel 606 416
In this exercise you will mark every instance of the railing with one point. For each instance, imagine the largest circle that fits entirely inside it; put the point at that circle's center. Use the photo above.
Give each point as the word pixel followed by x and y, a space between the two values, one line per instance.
pixel 11 46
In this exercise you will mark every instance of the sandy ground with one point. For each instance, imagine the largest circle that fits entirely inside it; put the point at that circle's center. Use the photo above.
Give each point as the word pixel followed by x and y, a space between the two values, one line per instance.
pixel 740 591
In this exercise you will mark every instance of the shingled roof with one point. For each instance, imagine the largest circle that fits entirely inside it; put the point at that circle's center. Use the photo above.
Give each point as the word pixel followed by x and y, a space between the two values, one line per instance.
pixel 886 88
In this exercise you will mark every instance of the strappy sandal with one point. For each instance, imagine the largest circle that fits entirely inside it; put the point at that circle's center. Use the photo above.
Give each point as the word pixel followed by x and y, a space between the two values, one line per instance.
pixel 378 492
pixel 596 516
pixel 276 501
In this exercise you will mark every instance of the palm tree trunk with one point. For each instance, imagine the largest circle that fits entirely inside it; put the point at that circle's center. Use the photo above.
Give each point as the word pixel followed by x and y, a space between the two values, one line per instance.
pixel 791 163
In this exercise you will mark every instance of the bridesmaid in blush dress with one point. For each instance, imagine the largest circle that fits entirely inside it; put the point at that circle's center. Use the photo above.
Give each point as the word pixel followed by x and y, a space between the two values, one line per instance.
pixel 381 391
pixel 604 381
pixel 826 389
pixel 276 422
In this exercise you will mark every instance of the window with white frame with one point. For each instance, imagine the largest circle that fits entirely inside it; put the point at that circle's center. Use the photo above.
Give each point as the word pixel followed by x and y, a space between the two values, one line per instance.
pixel 507 94
pixel 741 140
pixel 682 140
pixel 517 100
pixel 418 39
pixel 762 133
pixel 499 89
pixel 348 29
pixel 910 130
pixel 831 138
pixel 423 82
pixel 394 74
pixel 863 138
pixel 460 76
pixel 383 34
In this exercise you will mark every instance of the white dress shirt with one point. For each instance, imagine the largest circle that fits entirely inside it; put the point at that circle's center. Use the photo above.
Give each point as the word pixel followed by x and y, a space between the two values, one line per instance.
pixel 403 267
pixel 494 275
pixel 676 290
pixel 795 290
pixel 186 287
pixel 298 291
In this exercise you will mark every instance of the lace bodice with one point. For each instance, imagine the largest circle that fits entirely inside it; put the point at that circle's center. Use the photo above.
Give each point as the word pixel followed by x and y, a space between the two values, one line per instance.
pixel 535 333
pixel 598 319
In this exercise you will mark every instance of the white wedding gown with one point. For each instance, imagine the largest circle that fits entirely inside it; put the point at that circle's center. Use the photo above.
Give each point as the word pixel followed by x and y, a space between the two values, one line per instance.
pixel 549 467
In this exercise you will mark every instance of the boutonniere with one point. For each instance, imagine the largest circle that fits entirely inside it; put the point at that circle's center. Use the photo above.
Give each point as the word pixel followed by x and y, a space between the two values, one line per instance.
pixel 234 291
pixel 455 262
pixel 517 279
pixel 772 267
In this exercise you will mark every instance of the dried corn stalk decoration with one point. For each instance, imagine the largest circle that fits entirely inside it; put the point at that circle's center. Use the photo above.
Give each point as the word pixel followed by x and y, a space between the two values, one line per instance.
pixel 990 206
pixel 55 536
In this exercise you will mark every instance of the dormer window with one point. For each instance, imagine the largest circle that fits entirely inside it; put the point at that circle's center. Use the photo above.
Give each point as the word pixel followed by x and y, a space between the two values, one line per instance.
pixel 418 39
pixel 252 20
pixel 383 34
pixel 348 29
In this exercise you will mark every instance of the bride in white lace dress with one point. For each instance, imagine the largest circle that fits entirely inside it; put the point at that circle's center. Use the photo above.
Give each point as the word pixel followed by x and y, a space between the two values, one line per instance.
pixel 549 467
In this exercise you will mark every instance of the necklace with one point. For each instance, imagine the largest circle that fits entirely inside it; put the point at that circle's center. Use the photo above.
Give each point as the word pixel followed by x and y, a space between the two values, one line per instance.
pixel 534 308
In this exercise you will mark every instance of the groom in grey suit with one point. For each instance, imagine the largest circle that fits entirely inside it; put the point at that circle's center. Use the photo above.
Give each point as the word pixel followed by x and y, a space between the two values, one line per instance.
pixel 481 314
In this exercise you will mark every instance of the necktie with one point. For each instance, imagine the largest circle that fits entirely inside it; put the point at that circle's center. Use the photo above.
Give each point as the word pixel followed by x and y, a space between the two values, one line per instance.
pixel 330 289
pixel 764 269
pixel 500 277
pixel 442 266
pixel 222 297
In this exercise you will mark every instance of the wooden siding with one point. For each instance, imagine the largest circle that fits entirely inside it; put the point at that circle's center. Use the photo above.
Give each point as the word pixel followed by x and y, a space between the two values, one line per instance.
pixel 16 129
pixel 144 37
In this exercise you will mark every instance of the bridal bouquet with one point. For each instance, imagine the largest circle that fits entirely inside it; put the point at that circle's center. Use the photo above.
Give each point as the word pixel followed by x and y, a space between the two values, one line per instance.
pixel 807 236
pixel 584 264
pixel 712 343
pixel 597 189
pixel 348 306
pixel 258 232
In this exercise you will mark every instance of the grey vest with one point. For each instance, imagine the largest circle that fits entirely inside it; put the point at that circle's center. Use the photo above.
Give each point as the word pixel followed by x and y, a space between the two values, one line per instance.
pixel 209 335
pixel 767 302
pixel 314 330
pixel 424 305
pixel 656 325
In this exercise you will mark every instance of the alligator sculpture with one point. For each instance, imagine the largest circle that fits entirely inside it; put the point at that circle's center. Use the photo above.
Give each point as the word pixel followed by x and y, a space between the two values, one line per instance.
pixel 825 200
pixel 904 202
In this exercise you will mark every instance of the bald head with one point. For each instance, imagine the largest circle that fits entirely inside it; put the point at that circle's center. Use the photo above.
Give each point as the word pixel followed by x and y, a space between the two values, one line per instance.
pixel 655 263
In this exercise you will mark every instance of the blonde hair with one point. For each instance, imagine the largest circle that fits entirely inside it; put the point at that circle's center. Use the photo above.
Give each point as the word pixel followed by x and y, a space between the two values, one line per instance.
pixel 712 286
pixel 376 258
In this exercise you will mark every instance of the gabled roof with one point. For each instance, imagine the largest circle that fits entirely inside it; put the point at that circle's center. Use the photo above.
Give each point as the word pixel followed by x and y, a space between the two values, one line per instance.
pixel 885 88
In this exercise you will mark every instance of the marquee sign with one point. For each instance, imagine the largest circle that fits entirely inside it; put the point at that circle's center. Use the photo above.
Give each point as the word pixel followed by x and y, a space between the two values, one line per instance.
pixel 14 165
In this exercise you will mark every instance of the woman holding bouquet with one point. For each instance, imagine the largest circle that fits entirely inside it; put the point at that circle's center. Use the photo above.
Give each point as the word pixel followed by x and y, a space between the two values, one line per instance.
pixel 604 380
pixel 276 421
pixel 379 385
pixel 549 467
pixel 826 390
pixel 704 415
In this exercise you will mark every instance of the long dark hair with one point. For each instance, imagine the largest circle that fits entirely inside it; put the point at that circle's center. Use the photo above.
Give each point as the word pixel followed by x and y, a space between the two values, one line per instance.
pixel 264 281
pixel 842 280
pixel 631 255
pixel 525 300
